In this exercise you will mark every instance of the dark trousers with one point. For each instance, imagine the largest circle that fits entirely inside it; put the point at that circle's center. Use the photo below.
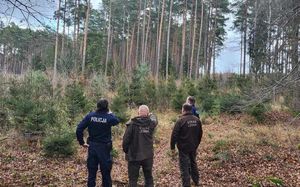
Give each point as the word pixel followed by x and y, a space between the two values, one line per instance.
pixel 133 172
pixel 99 154
pixel 188 168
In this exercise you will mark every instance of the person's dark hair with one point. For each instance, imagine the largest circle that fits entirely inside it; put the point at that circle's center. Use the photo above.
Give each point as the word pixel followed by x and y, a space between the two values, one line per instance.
pixel 102 105
pixel 192 100
pixel 187 107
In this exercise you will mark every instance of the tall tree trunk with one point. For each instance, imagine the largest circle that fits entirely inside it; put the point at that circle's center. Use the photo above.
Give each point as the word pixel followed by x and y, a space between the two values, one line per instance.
pixel 168 39
pixel 183 40
pixel 86 29
pixel 64 30
pixel 159 42
pixel 209 42
pixel 206 41
pixel 146 48
pixel 269 36
pixel 138 34
pixel 143 31
pixel 200 41
pixel 189 38
pixel 214 41
pixel 75 37
pixel 4 61
pixel 108 39
pixel 245 37
pixel 54 81
pixel 194 38
pixel 131 49
pixel 241 55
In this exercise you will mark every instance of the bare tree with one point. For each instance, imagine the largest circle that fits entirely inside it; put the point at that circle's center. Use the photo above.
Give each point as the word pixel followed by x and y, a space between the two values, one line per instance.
pixel 168 39
pixel 159 41
pixel 86 23
pixel 54 81
pixel 200 40
pixel 108 39
pixel 183 40
pixel 194 38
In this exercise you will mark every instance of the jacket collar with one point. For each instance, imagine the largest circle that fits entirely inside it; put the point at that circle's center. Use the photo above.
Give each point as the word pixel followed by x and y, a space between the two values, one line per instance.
pixel 188 113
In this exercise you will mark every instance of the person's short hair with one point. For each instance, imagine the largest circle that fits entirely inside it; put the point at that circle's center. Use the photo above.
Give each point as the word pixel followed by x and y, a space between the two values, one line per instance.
pixel 143 110
pixel 102 105
pixel 191 99
pixel 187 107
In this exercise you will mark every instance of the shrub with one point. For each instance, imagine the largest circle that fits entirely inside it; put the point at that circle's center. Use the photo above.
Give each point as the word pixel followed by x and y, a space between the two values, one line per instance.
pixel 30 103
pixel 140 76
pixel 219 146
pixel 99 86
pixel 165 91
pixel 190 87
pixel 178 99
pixel 119 107
pixel 149 93
pixel 231 103
pixel 206 85
pixel 258 111
pixel 61 144
pixel 210 104
pixel 75 100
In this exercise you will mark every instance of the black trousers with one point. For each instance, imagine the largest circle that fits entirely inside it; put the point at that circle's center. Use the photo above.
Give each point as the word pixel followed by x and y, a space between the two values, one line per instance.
pixel 133 172
pixel 99 154
pixel 188 168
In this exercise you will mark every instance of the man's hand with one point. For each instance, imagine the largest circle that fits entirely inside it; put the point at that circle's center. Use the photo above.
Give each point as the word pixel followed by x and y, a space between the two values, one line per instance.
pixel 173 154
pixel 85 145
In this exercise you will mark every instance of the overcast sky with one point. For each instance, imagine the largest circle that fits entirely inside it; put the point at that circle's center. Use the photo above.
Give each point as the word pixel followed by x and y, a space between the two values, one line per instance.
pixel 229 58
pixel 227 61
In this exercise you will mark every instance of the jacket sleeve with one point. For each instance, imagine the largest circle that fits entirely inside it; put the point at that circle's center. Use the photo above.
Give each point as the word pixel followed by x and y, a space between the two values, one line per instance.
pixel 195 112
pixel 175 134
pixel 127 138
pixel 154 120
pixel 80 128
pixel 114 120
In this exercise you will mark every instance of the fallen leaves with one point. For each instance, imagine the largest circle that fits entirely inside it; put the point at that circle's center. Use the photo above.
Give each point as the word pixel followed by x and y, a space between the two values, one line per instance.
pixel 246 165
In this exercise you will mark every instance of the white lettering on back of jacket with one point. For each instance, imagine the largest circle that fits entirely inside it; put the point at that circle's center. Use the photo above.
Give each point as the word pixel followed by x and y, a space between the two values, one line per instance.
pixel 192 123
pixel 144 130
pixel 98 120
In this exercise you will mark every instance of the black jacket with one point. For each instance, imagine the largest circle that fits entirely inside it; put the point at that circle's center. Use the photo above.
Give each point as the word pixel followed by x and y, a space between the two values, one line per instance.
pixel 138 138
pixel 187 133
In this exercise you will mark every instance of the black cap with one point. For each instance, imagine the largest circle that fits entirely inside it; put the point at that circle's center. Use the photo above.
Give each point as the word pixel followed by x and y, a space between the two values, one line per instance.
pixel 102 105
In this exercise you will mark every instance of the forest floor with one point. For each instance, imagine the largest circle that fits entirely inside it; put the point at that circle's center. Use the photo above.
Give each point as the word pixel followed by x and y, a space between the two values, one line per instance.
pixel 234 152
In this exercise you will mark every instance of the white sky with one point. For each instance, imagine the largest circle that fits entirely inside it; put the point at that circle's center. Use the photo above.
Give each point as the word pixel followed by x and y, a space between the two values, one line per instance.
pixel 229 58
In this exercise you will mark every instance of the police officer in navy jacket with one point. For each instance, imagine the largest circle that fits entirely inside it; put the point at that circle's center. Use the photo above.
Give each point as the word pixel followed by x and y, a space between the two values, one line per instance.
pixel 99 142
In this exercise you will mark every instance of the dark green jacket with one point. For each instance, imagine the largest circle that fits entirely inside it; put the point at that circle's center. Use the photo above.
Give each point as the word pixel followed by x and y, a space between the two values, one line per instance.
pixel 187 133
pixel 138 138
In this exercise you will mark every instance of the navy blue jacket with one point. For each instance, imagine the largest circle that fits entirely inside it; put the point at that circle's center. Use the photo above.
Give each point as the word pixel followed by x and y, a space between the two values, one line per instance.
pixel 195 111
pixel 99 127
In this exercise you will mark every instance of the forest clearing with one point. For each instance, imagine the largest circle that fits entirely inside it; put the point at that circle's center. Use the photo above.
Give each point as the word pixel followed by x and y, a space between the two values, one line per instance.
pixel 232 153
